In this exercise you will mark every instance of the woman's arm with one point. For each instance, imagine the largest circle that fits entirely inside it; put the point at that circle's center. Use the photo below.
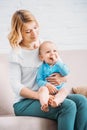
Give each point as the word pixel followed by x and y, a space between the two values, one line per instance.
pixel 17 86
pixel 57 79
pixel 27 93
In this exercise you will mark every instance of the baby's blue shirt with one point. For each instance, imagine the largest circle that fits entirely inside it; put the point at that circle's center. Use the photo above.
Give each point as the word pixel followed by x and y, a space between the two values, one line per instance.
pixel 45 70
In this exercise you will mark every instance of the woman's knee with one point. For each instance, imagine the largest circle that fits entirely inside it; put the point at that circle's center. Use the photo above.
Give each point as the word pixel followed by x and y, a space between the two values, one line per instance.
pixel 78 99
pixel 69 105
pixel 81 100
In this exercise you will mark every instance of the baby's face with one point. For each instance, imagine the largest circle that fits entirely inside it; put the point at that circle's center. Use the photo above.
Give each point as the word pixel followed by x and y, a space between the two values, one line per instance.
pixel 49 53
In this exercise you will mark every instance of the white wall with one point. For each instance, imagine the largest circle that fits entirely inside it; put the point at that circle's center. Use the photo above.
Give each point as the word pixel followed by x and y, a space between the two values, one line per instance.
pixel 62 21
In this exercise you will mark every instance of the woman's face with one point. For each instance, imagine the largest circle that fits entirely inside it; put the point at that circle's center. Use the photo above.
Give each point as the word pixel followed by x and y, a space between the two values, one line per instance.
pixel 30 32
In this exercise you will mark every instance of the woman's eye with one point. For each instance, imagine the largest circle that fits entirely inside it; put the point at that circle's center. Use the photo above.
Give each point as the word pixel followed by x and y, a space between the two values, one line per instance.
pixel 27 31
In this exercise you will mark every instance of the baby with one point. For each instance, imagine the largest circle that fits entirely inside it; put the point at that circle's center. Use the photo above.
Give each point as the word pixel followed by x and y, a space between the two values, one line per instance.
pixel 49 93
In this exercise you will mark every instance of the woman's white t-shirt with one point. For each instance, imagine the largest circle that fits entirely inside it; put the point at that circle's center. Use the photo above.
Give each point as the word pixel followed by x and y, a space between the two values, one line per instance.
pixel 23 70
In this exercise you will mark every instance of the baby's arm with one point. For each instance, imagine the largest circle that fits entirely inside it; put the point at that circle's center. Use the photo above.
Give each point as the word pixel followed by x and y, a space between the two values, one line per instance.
pixel 42 82
pixel 62 68
pixel 40 77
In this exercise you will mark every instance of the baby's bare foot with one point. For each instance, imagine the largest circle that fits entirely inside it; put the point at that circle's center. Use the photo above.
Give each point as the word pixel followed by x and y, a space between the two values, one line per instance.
pixel 45 108
pixel 54 103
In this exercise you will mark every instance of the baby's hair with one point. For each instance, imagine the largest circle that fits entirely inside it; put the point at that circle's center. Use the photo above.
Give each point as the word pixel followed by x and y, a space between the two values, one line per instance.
pixel 45 42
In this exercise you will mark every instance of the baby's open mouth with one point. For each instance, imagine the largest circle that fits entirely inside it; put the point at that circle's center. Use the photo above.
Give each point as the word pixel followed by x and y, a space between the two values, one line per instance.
pixel 51 58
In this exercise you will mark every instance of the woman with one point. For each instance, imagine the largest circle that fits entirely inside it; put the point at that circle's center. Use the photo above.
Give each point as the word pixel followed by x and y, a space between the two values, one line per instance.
pixel 24 62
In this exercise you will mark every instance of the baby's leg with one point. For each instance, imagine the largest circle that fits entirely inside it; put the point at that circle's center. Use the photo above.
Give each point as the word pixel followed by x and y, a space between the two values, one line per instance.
pixel 44 97
pixel 59 97
pixel 55 101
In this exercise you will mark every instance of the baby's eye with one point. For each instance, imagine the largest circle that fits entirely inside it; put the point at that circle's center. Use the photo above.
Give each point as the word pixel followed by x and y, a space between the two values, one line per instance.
pixel 48 52
pixel 35 27
pixel 55 50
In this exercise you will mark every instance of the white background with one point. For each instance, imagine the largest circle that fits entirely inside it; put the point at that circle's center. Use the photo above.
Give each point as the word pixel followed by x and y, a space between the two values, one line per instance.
pixel 62 21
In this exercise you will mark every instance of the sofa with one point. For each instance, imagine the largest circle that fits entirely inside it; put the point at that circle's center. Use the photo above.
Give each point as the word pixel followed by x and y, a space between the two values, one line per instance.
pixel 8 121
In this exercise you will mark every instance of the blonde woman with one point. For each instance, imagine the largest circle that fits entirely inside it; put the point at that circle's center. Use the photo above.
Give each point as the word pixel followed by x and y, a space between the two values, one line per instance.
pixel 24 62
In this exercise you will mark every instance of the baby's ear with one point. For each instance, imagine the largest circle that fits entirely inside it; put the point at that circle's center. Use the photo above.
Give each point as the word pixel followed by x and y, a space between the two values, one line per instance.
pixel 41 57
pixel 80 90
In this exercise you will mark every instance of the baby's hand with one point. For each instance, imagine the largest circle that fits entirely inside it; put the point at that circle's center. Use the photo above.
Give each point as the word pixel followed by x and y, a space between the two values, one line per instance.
pixel 52 89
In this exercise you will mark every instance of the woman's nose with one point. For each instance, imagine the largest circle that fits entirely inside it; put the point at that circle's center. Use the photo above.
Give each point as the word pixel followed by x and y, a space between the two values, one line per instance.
pixel 33 33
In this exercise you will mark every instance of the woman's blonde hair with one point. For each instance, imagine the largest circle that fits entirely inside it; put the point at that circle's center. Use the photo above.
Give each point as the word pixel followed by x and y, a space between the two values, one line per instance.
pixel 19 18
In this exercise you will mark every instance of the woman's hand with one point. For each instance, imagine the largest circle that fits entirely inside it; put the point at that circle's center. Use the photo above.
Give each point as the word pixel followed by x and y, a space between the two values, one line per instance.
pixel 56 79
